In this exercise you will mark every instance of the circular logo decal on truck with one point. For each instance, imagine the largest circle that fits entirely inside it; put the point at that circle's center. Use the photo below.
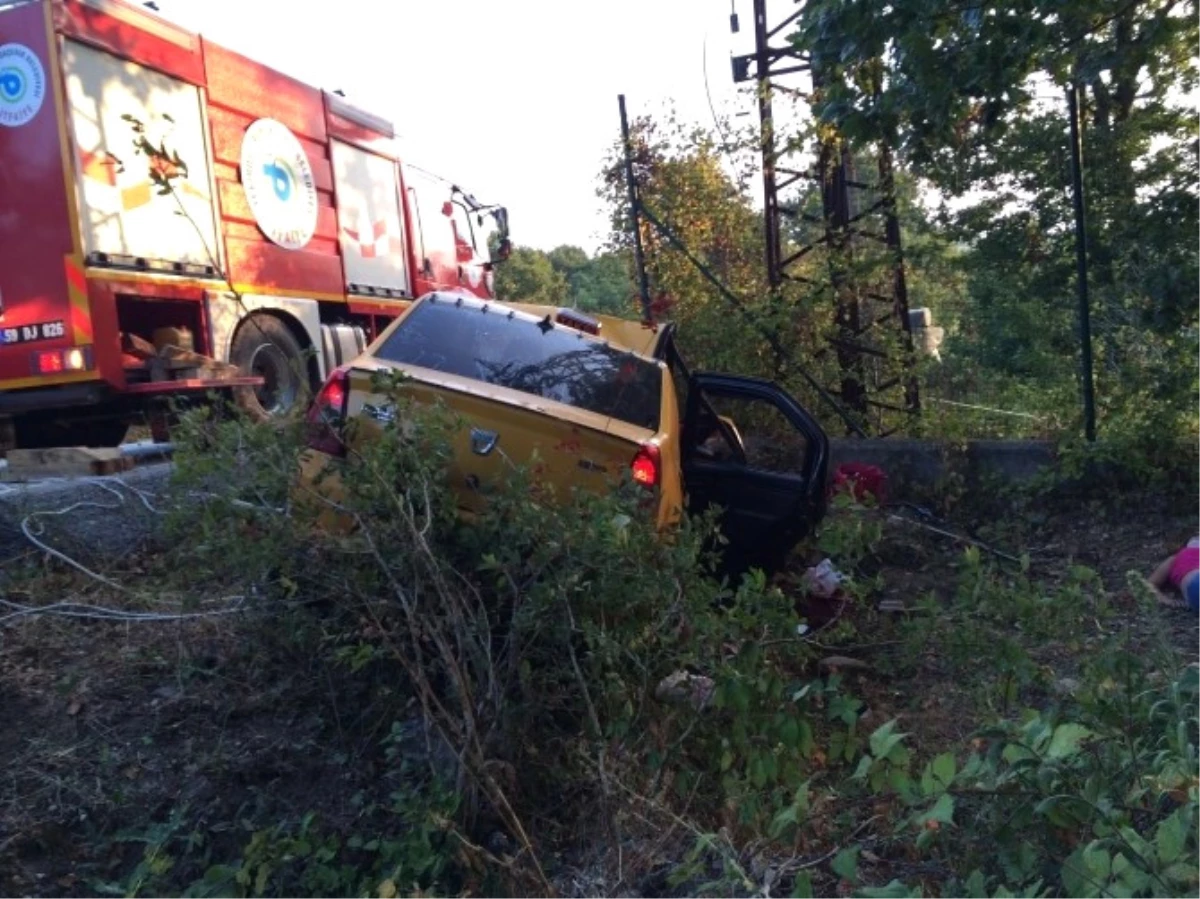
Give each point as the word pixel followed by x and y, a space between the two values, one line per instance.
pixel 22 84
pixel 279 184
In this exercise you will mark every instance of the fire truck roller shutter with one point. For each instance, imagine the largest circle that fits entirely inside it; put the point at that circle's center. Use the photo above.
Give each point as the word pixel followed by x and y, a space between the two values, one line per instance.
pixel 270 347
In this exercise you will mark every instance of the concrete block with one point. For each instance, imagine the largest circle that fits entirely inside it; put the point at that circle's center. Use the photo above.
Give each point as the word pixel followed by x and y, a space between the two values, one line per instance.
pixel 914 467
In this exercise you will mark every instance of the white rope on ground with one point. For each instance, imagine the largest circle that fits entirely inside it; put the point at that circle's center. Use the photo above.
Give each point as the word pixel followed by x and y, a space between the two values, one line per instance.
pixel 144 495
pixel 27 529
pixel 102 613
pixel 33 530
pixel 106 483
pixel 238 503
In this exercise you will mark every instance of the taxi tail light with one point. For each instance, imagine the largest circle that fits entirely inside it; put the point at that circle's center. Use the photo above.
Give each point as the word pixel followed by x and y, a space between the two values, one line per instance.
pixel 327 415
pixel 646 466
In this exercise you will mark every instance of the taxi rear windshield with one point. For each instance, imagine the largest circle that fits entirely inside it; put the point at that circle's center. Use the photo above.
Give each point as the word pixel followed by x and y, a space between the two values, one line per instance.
pixel 555 363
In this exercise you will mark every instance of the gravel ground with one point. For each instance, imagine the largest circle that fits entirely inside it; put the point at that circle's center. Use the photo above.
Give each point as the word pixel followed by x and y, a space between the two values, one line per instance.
pixel 87 518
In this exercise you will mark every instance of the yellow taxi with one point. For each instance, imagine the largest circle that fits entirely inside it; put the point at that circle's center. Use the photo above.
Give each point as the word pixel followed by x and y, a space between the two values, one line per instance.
pixel 585 400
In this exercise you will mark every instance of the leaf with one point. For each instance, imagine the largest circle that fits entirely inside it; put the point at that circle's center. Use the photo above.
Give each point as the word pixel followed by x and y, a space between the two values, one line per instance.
pixel 789 733
pixel 758 773
pixel 387 889
pixel 218 874
pixel 893 889
pixel 1076 880
pixel 1098 862
pixel 805 741
pixel 864 766
pixel 942 810
pixel 944 769
pixel 1066 740
pixel 1057 810
pixel 1170 837
pixel 802 888
pixel 1135 842
pixel 884 738
pixel 845 864
pixel 976 884
pixel 785 818
pixel 1181 873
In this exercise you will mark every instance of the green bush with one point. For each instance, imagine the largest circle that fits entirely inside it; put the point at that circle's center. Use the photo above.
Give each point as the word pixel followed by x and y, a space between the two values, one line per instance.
pixel 532 637
pixel 520 710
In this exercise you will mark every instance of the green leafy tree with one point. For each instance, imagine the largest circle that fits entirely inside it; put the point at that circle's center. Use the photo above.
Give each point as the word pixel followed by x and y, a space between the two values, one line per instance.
pixel 600 284
pixel 528 276
pixel 568 260
pixel 973 97
pixel 705 187
pixel 607 285
pixel 705 197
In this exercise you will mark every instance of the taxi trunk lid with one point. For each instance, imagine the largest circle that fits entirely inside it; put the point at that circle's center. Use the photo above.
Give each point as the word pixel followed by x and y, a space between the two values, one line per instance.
pixel 499 430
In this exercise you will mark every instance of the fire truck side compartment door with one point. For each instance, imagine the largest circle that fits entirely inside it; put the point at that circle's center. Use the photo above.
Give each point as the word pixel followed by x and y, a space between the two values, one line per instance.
pixel 121 213
pixel 371 230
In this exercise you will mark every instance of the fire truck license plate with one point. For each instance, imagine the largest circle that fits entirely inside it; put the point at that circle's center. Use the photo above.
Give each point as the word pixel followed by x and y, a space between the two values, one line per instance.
pixel 30 333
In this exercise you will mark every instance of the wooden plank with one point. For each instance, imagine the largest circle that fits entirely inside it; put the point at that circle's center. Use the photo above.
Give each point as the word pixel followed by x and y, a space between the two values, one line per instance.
pixel 137 346
pixel 66 462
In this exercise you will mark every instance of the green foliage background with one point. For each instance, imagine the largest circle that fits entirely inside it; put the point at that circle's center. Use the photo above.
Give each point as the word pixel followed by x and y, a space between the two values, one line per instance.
pixel 972 97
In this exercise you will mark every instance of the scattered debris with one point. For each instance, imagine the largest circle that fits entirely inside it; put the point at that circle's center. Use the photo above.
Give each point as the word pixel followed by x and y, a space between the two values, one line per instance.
pixel 833 663
pixel 683 686
pixel 822 580
pixel 1066 687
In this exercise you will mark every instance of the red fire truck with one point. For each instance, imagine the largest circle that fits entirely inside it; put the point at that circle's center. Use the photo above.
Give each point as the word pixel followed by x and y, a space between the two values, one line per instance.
pixel 295 235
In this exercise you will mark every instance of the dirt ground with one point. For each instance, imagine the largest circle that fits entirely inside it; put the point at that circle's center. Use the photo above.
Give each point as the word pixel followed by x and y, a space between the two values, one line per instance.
pixel 107 728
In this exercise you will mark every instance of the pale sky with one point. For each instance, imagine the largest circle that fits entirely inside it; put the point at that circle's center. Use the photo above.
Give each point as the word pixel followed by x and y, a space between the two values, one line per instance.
pixel 516 100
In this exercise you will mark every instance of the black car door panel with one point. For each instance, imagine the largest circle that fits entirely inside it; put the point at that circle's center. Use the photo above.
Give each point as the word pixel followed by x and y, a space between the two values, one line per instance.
pixel 752 450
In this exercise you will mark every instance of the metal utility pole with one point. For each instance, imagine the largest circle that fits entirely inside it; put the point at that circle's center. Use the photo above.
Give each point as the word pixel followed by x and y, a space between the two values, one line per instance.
pixel 859 227
pixel 762 63
pixel 1081 265
pixel 639 257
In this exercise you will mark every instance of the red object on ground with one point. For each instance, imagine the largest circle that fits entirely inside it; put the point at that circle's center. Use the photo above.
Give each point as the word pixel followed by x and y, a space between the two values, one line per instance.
pixel 859 479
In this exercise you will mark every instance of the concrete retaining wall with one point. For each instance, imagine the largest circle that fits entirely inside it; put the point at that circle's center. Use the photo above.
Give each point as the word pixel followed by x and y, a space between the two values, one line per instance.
pixel 915 467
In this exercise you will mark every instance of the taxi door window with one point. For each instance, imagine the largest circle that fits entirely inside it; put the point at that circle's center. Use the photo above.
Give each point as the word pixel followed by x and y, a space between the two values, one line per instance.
pixel 752 432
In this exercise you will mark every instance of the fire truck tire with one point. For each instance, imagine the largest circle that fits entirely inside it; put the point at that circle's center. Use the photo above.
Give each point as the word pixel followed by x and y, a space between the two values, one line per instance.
pixel 265 346
pixel 35 433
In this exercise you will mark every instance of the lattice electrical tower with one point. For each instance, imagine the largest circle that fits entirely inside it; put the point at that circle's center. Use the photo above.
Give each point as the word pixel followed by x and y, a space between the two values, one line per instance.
pixel 856 235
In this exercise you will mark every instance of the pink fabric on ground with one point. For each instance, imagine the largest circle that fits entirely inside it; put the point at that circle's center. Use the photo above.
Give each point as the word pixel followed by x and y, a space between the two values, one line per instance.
pixel 1186 561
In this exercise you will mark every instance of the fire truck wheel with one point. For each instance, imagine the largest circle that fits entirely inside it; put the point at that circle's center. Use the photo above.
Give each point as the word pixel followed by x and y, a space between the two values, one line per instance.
pixel 265 346
pixel 34 433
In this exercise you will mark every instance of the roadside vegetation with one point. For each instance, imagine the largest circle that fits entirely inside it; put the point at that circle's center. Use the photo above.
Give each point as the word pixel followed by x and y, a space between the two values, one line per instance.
pixel 973 102
pixel 551 699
